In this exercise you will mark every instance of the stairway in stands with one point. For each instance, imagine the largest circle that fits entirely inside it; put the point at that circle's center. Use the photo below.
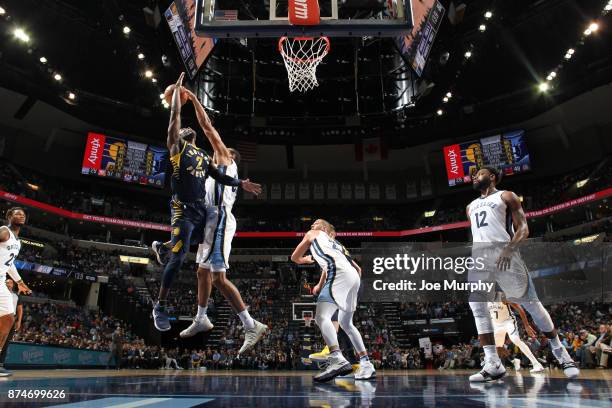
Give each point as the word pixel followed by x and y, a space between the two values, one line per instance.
pixel 221 320
pixel 391 312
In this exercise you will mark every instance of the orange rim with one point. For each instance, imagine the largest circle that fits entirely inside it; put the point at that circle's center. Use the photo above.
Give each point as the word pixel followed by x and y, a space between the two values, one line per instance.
pixel 300 60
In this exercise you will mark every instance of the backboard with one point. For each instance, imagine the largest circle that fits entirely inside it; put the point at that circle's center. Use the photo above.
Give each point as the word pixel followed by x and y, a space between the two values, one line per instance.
pixel 268 18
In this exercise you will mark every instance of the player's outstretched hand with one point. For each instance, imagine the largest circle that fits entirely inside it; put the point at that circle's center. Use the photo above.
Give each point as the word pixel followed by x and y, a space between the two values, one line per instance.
pixel 251 187
pixel 23 288
pixel 179 82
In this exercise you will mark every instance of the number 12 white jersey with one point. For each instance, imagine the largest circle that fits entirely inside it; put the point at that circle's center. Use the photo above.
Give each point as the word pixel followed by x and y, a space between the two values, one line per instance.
pixel 490 219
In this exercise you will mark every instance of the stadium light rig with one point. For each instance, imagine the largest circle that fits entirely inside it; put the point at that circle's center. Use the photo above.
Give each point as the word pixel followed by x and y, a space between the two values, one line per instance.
pixel 57 77
pixel 543 87
pixel 141 56
pixel 21 35
pixel 43 60
pixel 126 30
pixel 2 11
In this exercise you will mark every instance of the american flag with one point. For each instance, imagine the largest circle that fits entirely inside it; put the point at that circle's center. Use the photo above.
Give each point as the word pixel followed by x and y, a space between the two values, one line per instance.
pixel 248 151
pixel 226 15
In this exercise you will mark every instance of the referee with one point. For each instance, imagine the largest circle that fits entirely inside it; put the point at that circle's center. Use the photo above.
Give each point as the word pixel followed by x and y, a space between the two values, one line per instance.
pixel 16 326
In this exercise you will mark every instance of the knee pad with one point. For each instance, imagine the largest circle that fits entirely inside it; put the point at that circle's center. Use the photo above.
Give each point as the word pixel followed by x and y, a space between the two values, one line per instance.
pixel 482 318
pixel 539 315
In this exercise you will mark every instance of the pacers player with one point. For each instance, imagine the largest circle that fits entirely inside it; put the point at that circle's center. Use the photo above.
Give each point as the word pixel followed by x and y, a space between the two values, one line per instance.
pixel 498 227
pixel 9 249
pixel 191 165
pixel 338 294
pixel 504 322
pixel 214 251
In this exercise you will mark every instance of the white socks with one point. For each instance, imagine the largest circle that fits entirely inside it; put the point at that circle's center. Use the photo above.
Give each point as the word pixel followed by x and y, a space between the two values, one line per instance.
pixel 201 312
pixel 246 319
pixel 555 343
pixel 490 353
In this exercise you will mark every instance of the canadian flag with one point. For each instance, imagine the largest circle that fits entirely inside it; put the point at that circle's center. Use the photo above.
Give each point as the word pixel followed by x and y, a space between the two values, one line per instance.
pixel 371 149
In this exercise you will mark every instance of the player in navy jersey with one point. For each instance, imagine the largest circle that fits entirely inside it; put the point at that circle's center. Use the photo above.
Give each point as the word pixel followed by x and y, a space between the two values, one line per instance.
pixel 190 168
pixel 499 226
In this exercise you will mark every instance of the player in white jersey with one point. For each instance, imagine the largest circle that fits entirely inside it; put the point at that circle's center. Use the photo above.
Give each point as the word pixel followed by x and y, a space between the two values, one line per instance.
pixel 9 249
pixel 339 293
pixel 504 322
pixel 499 226
pixel 213 252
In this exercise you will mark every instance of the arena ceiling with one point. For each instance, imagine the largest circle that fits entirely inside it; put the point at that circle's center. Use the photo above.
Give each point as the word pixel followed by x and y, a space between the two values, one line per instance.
pixel 497 86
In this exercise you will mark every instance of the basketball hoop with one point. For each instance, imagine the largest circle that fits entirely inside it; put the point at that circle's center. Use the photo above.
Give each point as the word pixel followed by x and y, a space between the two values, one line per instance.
pixel 302 55
pixel 307 321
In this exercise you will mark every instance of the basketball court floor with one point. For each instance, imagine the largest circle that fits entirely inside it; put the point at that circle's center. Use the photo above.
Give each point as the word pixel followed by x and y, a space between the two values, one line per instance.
pixel 185 389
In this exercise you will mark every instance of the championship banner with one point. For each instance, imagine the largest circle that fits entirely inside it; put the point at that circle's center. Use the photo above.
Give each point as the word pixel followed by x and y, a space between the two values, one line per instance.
pixel 346 191
pixel 289 191
pixel 160 227
pixel 332 191
pixel 318 191
pixel 304 191
pixel 390 192
pixel 374 191
pixel 360 191
pixel 275 191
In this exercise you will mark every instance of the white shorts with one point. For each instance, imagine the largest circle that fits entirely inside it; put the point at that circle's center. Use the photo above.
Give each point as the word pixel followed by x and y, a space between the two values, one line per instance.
pixel 341 288
pixel 501 329
pixel 7 307
pixel 213 252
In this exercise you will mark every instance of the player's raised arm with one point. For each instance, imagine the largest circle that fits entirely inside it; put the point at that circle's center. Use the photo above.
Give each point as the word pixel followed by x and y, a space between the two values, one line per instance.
pixel 521 229
pixel 222 152
pixel 175 117
pixel 298 254
pixel 226 180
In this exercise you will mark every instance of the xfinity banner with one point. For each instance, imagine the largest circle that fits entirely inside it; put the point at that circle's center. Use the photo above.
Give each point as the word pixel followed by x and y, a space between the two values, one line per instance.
pixel 462 272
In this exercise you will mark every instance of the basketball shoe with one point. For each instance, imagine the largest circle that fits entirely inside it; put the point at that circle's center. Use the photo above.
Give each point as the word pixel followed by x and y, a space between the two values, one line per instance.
pixel 252 336
pixel 569 367
pixel 320 356
pixel 337 365
pixel 198 325
pixel 492 370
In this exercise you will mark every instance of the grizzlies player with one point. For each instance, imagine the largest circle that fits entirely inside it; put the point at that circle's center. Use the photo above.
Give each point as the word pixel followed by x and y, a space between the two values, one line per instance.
pixel 338 294
pixel 498 227
pixel 9 249
pixel 504 322
pixel 190 167
pixel 214 251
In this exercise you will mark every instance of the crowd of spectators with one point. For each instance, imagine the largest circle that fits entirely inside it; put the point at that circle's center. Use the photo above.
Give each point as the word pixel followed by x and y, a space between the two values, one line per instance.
pixel 95 198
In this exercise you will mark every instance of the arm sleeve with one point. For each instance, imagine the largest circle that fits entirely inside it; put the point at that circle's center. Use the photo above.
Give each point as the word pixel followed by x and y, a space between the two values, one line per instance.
pixel 222 178
pixel 14 274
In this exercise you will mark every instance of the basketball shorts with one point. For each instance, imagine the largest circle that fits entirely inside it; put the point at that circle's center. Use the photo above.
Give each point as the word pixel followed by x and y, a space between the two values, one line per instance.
pixel 341 288
pixel 187 222
pixel 7 307
pixel 515 281
pixel 214 251
pixel 501 329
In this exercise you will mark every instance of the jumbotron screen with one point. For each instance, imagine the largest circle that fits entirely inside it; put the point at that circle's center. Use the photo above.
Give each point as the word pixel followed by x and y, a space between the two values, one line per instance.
pixel 126 160
pixel 507 151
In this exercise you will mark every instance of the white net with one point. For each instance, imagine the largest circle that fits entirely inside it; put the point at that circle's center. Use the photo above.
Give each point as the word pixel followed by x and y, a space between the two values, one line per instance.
pixel 302 55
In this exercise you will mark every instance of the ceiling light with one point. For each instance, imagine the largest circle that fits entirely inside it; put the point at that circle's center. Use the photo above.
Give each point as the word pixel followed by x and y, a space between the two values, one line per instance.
pixel 21 35
pixel 57 77
pixel 608 7
pixel 43 60
pixel 154 80
pixel 593 27
pixel 482 27
pixel 449 95
pixel 71 96
pixel 148 73
pixel 141 56
pixel 440 112
pixel 2 11
pixel 468 54
pixel 568 56
pixel 571 51
pixel 543 87
pixel 429 214
pixel 126 30
pixel 161 96
pixel 488 15
pixel 445 99
pixel 552 74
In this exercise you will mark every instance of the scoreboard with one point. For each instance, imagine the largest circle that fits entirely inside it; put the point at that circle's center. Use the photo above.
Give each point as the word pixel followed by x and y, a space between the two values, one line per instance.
pixel 125 160
pixel 507 152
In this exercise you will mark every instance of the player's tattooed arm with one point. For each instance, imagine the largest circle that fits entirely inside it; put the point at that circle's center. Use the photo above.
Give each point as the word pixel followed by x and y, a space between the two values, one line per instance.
pixel 520 227
pixel 175 118
pixel 222 152
pixel 298 255
pixel 519 220
pixel 530 331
